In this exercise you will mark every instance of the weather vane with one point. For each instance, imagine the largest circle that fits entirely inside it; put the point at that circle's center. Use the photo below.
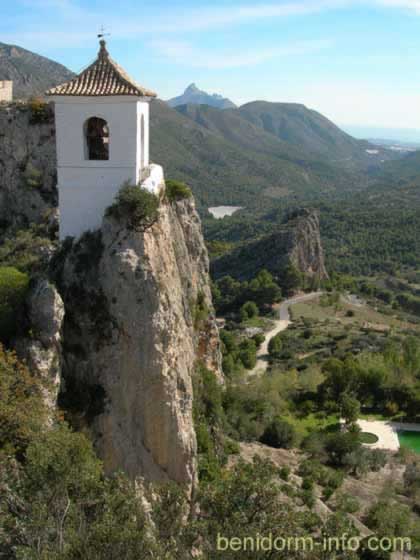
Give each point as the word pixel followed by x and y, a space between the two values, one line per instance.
pixel 102 33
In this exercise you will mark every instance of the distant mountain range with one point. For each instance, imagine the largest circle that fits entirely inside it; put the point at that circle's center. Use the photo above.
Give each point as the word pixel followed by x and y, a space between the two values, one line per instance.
pixel 258 152
pixel 31 73
pixel 194 96
pixel 244 156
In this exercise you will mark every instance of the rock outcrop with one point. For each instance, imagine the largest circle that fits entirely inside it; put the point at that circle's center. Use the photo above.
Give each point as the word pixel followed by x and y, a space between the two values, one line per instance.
pixel 297 241
pixel 132 338
pixel 27 166
pixel 41 347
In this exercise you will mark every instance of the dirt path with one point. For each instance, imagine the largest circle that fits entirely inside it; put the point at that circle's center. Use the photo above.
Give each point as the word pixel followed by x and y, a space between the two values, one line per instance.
pixel 281 324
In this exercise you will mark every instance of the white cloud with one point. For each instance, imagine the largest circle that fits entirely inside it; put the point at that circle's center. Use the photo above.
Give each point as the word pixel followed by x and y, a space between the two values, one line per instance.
pixel 72 21
pixel 413 5
pixel 188 55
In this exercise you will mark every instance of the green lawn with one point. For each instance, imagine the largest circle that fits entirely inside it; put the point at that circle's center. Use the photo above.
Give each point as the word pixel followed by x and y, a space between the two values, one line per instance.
pixel 313 422
pixel 367 437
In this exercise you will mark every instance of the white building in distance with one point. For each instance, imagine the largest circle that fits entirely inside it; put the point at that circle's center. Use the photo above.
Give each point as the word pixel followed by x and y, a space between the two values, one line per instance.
pixel 102 137
pixel 6 91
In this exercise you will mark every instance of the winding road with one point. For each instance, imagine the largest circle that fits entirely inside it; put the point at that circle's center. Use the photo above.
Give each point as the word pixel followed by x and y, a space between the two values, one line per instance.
pixel 281 324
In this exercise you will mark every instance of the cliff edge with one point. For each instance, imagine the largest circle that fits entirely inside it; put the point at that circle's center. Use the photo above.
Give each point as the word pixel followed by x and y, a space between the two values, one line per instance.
pixel 138 318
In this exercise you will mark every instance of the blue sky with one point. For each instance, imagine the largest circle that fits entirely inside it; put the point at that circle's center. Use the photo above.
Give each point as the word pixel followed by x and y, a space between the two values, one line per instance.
pixel 356 61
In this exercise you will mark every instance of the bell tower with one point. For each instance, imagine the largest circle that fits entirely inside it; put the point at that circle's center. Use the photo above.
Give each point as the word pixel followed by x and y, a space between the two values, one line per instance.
pixel 102 138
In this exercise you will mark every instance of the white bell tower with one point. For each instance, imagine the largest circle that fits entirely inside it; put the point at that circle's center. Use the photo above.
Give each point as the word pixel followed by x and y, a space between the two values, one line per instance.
pixel 102 136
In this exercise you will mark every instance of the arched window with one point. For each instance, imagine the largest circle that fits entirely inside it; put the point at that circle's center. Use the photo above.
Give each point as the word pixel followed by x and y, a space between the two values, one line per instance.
pixel 97 139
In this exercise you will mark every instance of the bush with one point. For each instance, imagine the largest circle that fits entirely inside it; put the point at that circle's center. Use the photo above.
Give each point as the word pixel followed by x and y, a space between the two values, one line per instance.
pixel 13 289
pixel 249 310
pixel 248 353
pixel 275 346
pixel 176 190
pixel 27 250
pixel 284 473
pixel 40 112
pixel 138 207
pixel 279 434
pixel 258 339
pixel 340 445
pixel 22 412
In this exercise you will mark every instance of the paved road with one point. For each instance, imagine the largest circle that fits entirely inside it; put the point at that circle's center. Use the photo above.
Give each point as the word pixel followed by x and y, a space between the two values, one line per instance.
pixel 281 324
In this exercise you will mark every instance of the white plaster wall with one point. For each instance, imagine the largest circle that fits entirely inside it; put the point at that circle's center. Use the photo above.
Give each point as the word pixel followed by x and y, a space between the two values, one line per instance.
pixel 143 147
pixel 86 188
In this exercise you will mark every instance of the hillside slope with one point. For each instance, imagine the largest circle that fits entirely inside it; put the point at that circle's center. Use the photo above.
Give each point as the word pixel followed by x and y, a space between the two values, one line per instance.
pixel 295 241
pixel 313 133
pixel 228 160
pixel 405 170
pixel 31 73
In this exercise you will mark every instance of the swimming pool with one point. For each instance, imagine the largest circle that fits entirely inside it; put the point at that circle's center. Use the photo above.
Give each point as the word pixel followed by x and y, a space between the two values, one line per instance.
pixel 410 440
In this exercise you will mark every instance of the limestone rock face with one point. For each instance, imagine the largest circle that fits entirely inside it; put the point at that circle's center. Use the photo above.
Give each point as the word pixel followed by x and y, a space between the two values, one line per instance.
pixel 42 350
pixel 27 167
pixel 306 251
pixel 132 338
pixel 297 240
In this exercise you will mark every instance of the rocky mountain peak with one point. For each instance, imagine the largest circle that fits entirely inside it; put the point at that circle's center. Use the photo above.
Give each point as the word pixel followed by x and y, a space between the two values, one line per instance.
pixel 195 96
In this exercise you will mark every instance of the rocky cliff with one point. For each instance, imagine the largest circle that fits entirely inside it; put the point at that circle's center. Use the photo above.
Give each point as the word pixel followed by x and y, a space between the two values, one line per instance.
pixel 297 241
pixel 132 337
pixel 120 322
pixel 27 166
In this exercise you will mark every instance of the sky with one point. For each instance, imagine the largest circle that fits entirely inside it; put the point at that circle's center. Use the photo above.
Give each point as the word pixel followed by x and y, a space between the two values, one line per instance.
pixel 355 61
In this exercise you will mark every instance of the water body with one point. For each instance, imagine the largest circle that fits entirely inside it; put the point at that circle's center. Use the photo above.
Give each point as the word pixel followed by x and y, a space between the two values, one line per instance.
pixel 410 440
pixel 219 212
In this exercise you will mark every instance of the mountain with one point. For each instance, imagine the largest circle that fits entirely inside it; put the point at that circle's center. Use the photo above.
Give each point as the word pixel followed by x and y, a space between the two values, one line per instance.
pixel 31 73
pixel 405 171
pixel 196 96
pixel 228 160
pixel 310 131
pixel 244 157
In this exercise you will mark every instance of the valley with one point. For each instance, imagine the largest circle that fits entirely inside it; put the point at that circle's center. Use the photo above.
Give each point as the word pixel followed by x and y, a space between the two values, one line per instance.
pixel 224 347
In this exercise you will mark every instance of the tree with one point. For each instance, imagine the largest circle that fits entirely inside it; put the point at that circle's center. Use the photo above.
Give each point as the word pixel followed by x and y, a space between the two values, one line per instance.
pixel 291 278
pixel 339 445
pixel 248 353
pixel 58 504
pixel 279 434
pixel 275 346
pixel 264 290
pixel 244 502
pixel 249 310
pixel 350 409
pixel 13 289
pixel 135 206
pixel 22 411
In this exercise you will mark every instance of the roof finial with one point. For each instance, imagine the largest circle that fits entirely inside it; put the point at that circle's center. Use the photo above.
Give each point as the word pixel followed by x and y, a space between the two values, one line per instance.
pixel 102 51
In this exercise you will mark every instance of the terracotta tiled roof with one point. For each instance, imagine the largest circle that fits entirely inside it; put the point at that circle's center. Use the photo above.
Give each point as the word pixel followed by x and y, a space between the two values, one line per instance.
pixel 103 77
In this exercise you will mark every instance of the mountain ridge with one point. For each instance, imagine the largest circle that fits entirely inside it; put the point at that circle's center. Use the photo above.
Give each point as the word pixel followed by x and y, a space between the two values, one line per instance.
pixel 31 73
pixel 193 95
